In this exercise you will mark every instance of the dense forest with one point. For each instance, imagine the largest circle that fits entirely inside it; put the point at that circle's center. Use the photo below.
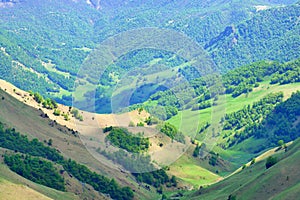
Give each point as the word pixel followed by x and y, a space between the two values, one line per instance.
pixel 122 138
pixel 271 34
pixel 36 169
pixel 281 124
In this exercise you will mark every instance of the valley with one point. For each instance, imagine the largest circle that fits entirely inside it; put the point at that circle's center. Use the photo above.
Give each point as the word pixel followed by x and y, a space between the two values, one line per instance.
pixel 149 100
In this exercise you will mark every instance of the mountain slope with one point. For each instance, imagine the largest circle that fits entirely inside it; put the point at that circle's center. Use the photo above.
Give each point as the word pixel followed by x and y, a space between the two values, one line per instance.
pixel 280 181
pixel 272 34
pixel 45 42
pixel 34 124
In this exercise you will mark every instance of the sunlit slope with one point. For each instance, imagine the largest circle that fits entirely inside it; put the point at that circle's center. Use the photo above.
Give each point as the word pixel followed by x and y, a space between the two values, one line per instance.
pixel 281 181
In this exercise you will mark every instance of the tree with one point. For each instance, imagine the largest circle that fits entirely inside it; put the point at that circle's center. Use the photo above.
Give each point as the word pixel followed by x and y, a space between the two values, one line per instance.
pixel 280 143
pixel 50 142
pixel 131 124
pixel 38 98
pixel 56 112
pixel 270 162
pixel 231 197
pixel 140 124
pixel 196 151
pixel 174 181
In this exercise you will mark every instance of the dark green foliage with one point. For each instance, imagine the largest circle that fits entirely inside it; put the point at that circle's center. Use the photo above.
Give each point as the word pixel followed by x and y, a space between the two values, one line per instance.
pixel 50 142
pixel 288 73
pixel 62 36
pixel 140 163
pixel 203 128
pixel 279 125
pixel 196 151
pixel 107 129
pixel 213 160
pixel 38 98
pixel 173 181
pixel 76 114
pixel 205 104
pixel 155 178
pixel 269 35
pixel 271 161
pixel 122 138
pixel 170 103
pixel 62 81
pixel 47 103
pixel 36 170
pixel 244 79
pixel 151 121
pixel 13 140
pixel 171 131
pixel 243 123
pixel 231 197
pixel 99 182
pixel 143 93
pixel 131 162
pixel 252 114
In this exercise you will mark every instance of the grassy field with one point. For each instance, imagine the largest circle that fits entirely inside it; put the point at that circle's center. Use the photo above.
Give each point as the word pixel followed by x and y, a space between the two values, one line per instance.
pixel 10 191
pixel 231 104
pixel 187 120
pixel 187 170
pixel 281 181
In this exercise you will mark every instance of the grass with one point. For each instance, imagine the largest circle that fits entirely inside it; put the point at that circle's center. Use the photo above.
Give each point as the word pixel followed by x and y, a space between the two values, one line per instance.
pixel 256 182
pixel 15 186
pixel 27 120
pixel 190 121
pixel 230 105
pixel 51 68
pixel 186 169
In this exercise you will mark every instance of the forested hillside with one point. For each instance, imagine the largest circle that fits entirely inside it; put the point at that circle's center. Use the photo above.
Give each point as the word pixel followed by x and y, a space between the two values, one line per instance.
pixel 45 42
pixel 271 34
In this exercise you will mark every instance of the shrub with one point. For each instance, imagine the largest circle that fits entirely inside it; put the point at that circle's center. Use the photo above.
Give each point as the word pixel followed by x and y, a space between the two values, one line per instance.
pixel 270 162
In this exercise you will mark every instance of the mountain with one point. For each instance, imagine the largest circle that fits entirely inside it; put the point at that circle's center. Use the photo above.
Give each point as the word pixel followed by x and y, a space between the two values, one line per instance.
pixel 31 129
pixel 271 34
pixel 35 124
pixel 46 42
pixel 171 136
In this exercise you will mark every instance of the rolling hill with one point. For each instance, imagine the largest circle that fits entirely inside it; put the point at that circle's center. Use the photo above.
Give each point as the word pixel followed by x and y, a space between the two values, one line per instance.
pixel 29 120
pixel 280 181
pixel 35 124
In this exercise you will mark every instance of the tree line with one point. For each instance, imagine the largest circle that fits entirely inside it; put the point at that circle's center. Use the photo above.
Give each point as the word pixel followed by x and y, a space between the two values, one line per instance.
pixel 10 139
